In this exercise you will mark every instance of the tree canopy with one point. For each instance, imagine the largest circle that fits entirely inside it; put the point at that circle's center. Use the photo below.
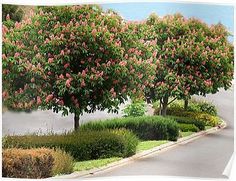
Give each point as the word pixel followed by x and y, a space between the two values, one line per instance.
pixel 73 59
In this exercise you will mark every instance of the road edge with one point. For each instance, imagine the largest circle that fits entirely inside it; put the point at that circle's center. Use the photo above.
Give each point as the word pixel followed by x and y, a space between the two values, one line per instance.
pixel 145 153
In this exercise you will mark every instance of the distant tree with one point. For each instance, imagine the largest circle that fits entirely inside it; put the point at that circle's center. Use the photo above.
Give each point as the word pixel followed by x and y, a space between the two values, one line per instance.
pixel 73 59
pixel 14 12
pixel 192 58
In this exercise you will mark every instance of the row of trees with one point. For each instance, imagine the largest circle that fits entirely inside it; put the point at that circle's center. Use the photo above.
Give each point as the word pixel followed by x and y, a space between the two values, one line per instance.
pixel 80 59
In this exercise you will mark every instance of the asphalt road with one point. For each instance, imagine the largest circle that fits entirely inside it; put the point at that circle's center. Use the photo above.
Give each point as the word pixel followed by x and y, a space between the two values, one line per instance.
pixel 205 157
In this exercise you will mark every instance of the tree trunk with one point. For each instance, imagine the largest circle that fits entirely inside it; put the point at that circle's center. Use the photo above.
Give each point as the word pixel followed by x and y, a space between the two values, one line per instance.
pixel 160 108
pixel 164 106
pixel 186 104
pixel 76 121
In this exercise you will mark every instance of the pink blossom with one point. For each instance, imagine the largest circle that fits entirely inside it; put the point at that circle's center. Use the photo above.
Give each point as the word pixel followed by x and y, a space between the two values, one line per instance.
pixel 4 57
pixel 49 98
pixel 40 32
pixel 8 17
pixel 68 75
pixel 66 65
pixel 68 81
pixel 35 48
pixel 4 29
pixel 94 32
pixel 39 101
pixel 32 80
pixel 123 63
pixel 61 76
pixel 154 54
pixel 82 83
pixel 61 102
pixel 83 73
pixel 50 60
pixel 5 94
pixel 62 52
pixel 17 54
pixel 114 94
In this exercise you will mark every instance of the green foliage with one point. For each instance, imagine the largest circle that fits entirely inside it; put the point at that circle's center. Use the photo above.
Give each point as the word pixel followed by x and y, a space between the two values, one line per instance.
pixel 202 106
pixel 63 162
pixel 15 12
pixel 193 58
pixel 135 109
pixel 81 145
pixel 208 119
pixel 32 163
pixel 187 120
pixel 197 106
pixel 145 127
pixel 188 127
pixel 73 59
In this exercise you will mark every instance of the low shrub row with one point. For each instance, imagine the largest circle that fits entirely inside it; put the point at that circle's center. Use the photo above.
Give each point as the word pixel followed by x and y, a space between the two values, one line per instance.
pixel 188 127
pixel 145 127
pixel 208 119
pixel 82 145
pixel 186 120
pixel 35 163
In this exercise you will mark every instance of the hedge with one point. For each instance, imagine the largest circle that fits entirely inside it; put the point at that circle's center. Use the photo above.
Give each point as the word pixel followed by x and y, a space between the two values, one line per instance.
pixel 35 163
pixel 186 120
pixel 83 145
pixel 188 127
pixel 145 127
pixel 208 119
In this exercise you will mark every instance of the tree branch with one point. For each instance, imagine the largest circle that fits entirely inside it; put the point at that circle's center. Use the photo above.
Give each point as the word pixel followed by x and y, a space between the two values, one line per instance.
pixel 172 101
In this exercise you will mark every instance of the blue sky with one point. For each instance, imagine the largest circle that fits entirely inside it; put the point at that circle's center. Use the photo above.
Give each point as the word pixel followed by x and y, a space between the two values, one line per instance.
pixel 211 14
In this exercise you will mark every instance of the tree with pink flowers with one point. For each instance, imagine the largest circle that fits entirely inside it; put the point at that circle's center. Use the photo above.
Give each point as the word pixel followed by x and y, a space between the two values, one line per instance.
pixel 192 58
pixel 73 59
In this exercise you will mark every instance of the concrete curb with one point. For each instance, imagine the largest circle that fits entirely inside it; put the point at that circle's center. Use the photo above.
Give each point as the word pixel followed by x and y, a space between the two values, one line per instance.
pixel 158 149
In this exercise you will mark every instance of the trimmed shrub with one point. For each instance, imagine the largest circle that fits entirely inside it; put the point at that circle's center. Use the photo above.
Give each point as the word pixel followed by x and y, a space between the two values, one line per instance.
pixel 135 109
pixel 188 127
pixel 145 127
pixel 131 141
pixel 33 163
pixel 81 145
pixel 63 162
pixel 198 123
pixel 208 119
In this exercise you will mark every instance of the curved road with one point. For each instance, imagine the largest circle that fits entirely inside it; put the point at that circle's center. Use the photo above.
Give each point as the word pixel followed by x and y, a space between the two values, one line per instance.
pixel 203 157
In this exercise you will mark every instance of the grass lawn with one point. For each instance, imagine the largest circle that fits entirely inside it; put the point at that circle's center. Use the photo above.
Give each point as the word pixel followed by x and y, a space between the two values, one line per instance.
pixel 146 145
pixel 90 164
pixel 208 127
pixel 184 134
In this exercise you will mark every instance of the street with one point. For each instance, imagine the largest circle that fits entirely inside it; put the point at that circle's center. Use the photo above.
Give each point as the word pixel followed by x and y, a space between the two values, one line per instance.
pixel 204 157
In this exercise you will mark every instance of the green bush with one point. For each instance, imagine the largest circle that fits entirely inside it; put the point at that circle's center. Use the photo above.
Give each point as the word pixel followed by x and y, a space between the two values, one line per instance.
pixel 195 106
pixel 63 162
pixel 32 163
pixel 81 145
pixel 188 127
pixel 198 123
pixel 135 109
pixel 202 106
pixel 145 127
